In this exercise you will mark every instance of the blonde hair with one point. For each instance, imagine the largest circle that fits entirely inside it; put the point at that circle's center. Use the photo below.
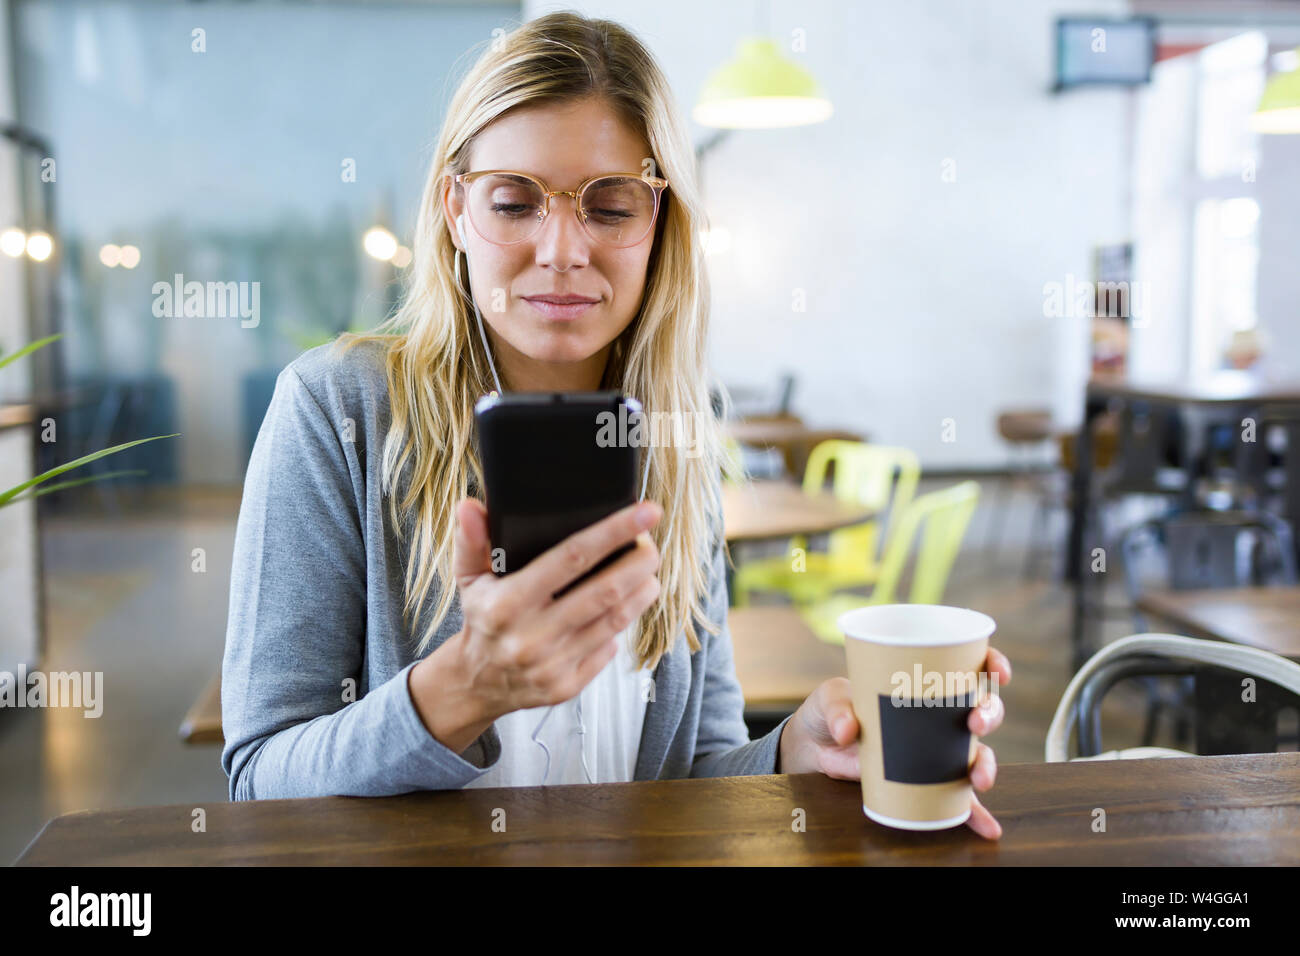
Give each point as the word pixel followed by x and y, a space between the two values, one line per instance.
pixel 436 368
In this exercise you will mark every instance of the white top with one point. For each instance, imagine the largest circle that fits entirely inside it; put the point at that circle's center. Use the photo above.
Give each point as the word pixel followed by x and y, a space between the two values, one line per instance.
pixel 611 709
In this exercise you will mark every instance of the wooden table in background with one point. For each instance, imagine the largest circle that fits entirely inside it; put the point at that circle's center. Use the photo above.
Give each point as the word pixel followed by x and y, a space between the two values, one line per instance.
pixel 1264 618
pixel 1194 811
pixel 779 660
pixel 12 416
pixel 793 439
pixel 202 725
pixel 764 510
pixel 1267 618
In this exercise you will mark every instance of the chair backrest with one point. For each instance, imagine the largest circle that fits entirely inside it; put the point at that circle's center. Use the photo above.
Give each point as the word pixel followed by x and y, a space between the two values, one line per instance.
pixel 785 393
pixel 945 515
pixel 1268 468
pixel 1105 439
pixel 1025 426
pixel 1250 661
pixel 1094 689
pixel 1212 549
pixel 1150 454
pixel 734 464
pixel 1273 454
pixel 879 477
pixel 1218 549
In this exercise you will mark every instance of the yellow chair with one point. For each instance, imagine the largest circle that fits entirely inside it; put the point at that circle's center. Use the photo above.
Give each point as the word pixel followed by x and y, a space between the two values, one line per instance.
pixel 945 515
pixel 733 468
pixel 864 475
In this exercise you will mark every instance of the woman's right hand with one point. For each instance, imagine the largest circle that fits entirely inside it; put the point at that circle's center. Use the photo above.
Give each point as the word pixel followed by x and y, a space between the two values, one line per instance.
pixel 520 647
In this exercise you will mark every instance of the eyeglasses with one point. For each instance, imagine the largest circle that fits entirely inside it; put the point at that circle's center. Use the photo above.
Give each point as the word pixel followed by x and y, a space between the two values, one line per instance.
pixel 615 209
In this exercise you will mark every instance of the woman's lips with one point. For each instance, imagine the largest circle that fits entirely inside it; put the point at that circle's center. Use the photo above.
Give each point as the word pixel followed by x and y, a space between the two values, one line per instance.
pixel 557 310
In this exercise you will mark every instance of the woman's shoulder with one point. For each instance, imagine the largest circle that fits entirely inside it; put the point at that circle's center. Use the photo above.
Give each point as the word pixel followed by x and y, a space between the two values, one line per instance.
pixel 344 373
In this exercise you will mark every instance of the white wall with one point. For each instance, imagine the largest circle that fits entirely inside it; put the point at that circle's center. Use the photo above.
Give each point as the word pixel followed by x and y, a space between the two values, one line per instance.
pixel 925 297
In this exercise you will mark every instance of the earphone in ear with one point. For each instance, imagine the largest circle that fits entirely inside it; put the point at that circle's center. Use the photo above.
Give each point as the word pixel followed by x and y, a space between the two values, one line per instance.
pixel 460 230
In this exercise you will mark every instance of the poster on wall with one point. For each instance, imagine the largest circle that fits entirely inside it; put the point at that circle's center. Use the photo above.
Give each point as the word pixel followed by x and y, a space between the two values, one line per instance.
pixel 1112 277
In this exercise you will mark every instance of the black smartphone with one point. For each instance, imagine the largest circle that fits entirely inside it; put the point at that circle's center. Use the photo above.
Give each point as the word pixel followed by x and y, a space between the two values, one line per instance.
pixel 553 464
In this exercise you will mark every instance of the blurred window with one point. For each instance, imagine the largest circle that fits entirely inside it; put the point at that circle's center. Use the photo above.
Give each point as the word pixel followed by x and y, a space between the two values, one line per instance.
pixel 1225 238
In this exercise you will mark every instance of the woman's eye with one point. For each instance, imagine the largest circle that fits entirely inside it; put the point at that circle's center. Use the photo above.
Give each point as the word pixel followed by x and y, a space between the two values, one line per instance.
pixel 610 215
pixel 511 210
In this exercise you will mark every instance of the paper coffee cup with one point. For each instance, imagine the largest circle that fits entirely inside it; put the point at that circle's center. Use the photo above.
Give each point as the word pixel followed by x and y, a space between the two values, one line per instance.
pixel 915 671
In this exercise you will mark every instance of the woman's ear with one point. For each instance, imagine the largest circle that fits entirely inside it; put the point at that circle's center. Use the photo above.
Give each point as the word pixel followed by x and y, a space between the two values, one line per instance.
pixel 452 206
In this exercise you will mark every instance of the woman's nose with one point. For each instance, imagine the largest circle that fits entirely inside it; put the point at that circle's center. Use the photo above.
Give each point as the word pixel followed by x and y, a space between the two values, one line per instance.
pixel 562 242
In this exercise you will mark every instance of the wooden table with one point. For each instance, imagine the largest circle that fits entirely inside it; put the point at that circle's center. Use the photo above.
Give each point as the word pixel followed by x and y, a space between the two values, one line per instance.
pixel 766 510
pixel 1229 386
pixel 12 416
pixel 1267 618
pixel 1195 811
pixel 779 660
pixel 793 439
pixel 202 725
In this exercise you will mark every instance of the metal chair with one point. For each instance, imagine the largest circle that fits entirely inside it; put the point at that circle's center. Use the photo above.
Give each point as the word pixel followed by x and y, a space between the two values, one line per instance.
pixel 937 521
pixel 1203 549
pixel 1268 468
pixel 785 393
pixel 1211 549
pixel 1151 458
pixel 879 478
pixel 1145 654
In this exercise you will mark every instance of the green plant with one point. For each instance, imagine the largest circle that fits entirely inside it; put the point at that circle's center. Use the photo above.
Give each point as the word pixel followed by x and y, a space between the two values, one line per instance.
pixel 29 489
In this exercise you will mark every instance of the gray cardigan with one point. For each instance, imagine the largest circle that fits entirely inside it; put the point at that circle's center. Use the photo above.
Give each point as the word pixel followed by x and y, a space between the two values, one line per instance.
pixel 314 699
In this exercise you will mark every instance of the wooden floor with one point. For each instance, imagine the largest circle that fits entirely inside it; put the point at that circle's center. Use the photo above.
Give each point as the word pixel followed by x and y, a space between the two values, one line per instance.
pixel 123 598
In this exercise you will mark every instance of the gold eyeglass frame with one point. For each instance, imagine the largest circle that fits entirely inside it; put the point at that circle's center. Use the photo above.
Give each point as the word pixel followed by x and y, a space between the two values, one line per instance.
pixel 657 184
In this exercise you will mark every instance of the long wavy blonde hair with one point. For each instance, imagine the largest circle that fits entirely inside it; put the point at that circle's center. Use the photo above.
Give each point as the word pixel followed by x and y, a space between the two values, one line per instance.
pixel 436 368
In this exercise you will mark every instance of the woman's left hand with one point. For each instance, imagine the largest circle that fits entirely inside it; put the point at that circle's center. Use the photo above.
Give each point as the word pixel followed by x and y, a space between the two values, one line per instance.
pixel 822 737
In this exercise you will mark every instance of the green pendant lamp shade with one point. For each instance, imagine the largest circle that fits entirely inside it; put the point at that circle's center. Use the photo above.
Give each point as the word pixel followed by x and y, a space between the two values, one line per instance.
pixel 758 88
pixel 1279 107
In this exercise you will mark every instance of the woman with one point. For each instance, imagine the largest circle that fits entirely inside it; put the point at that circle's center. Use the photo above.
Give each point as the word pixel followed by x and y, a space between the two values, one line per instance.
pixel 350 667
